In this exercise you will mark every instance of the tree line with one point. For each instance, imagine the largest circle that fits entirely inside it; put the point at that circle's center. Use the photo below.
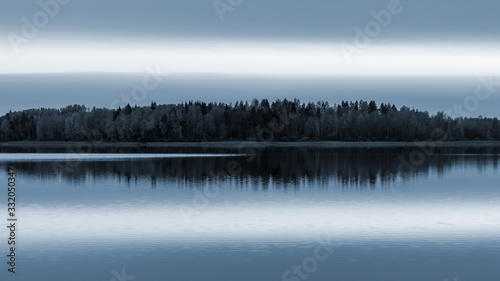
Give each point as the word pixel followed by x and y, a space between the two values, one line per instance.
pixel 281 120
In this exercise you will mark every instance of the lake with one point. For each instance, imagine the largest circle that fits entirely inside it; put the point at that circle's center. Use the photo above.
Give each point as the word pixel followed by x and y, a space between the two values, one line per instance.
pixel 274 213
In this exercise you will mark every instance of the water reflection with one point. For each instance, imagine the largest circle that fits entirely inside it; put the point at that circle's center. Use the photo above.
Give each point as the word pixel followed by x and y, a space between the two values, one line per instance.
pixel 442 217
pixel 272 168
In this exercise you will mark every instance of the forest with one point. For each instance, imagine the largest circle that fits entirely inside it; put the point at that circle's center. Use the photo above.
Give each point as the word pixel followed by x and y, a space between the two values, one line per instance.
pixel 281 120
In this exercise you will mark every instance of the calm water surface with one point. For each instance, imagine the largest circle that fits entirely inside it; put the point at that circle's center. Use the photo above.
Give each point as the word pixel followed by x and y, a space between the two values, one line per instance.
pixel 177 214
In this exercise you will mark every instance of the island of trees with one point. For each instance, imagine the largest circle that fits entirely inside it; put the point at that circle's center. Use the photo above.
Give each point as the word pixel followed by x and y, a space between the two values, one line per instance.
pixel 281 120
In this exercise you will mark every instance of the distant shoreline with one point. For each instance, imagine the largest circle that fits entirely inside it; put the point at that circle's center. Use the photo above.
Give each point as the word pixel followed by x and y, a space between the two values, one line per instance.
pixel 281 121
pixel 236 144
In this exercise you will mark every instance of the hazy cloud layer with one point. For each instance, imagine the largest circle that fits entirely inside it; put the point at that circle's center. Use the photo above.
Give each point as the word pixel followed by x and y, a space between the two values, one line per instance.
pixel 113 90
pixel 276 19
pixel 436 80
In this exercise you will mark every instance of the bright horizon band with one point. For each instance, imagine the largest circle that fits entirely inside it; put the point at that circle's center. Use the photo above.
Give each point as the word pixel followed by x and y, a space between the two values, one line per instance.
pixel 256 58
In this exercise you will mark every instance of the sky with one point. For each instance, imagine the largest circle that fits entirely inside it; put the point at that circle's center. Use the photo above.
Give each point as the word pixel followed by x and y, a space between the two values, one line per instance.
pixel 431 55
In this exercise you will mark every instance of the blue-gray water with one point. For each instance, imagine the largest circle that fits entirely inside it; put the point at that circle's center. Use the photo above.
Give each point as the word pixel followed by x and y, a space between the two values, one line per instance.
pixel 339 214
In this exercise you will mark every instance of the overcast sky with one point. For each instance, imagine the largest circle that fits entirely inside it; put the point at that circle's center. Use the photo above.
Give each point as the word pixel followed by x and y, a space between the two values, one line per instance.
pixel 432 55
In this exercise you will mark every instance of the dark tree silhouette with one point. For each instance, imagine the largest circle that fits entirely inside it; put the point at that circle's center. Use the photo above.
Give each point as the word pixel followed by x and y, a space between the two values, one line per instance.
pixel 277 121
